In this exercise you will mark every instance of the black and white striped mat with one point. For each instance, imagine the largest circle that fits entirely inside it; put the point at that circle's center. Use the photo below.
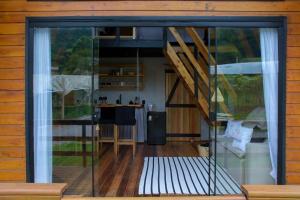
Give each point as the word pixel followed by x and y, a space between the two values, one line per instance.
pixel 184 176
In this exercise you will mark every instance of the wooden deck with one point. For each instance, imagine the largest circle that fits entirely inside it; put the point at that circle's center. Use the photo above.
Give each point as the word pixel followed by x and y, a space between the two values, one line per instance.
pixel 79 179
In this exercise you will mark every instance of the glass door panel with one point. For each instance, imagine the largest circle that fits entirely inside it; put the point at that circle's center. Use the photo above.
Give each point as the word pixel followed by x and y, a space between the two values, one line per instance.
pixel 244 85
pixel 213 106
pixel 118 76
pixel 96 114
pixel 62 107
pixel 72 93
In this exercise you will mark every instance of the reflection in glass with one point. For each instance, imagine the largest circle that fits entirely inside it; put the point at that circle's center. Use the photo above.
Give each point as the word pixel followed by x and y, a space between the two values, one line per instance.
pixel 62 92
pixel 247 122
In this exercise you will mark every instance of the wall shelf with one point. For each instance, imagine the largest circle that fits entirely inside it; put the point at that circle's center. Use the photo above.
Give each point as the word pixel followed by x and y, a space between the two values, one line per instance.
pixel 119 87
pixel 120 76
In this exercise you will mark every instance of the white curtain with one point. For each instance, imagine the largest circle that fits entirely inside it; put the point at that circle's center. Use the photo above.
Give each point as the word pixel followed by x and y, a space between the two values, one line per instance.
pixel 269 56
pixel 42 106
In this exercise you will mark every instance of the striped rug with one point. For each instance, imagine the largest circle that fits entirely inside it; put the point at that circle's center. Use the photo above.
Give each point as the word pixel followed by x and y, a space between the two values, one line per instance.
pixel 184 176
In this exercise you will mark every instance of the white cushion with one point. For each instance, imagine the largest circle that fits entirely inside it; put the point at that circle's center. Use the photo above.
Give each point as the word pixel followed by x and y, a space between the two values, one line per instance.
pixel 242 138
pixel 232 128
pixel 243 134
pixel 239 145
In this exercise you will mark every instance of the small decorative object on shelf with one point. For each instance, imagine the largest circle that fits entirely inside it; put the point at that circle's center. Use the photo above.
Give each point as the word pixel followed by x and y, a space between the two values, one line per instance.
pixel 120 77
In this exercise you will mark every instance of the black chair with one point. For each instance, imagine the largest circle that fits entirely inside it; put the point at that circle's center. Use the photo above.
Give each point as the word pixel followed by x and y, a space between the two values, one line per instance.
pixel 125 116
pixel 107 118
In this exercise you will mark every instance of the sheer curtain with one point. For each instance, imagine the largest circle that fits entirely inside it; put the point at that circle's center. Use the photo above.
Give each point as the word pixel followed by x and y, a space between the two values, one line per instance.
pixel 42 106
pixel 269 56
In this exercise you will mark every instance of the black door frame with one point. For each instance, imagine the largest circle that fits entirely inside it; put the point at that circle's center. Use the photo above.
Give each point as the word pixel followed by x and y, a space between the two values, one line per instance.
pixel 213 21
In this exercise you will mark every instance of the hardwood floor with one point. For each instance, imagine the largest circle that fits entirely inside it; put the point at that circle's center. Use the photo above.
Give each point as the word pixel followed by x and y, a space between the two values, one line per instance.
pixel 78 178
pixel 119 176
pixel 116 175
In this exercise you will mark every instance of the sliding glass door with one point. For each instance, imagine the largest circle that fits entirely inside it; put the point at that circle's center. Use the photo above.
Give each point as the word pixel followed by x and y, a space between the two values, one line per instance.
pixel 213 106
pixel 79 79
pixel 118 76
pixel 62 91
pixel 246 99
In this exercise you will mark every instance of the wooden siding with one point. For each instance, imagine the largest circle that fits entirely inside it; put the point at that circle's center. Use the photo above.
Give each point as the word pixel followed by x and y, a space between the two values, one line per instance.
pixel 12 30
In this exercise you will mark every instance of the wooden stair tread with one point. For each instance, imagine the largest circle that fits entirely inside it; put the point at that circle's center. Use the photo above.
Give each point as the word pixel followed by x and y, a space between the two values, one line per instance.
pixel 34 189
pixel 189 54
pixel 186 59
pixel 200 45
pixel 184 74
pixel 271 191
pixel 203 50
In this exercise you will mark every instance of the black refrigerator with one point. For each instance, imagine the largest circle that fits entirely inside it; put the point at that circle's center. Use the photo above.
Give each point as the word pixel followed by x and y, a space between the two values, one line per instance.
pixel 156 128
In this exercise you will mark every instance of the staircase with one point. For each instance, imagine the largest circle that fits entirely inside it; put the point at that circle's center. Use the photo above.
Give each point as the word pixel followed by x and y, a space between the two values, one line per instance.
pixel 193 69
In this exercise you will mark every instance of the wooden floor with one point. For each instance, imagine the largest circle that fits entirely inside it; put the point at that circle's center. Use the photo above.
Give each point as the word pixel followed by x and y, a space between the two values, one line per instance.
pixel 78 178
pixel 118 175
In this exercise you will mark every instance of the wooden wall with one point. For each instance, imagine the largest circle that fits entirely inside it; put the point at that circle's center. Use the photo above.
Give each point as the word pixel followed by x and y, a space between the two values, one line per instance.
pixel 181 120
pixel 12 28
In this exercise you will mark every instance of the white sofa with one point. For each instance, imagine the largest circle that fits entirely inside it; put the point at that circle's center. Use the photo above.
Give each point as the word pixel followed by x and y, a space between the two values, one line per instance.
pixel 250 167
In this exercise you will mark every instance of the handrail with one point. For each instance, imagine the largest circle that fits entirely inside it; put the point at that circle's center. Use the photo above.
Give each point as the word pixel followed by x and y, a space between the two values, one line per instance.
pixel 227 197
pixel 262 192
pixel 10 191
pixel 83 139
pixel 34 191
